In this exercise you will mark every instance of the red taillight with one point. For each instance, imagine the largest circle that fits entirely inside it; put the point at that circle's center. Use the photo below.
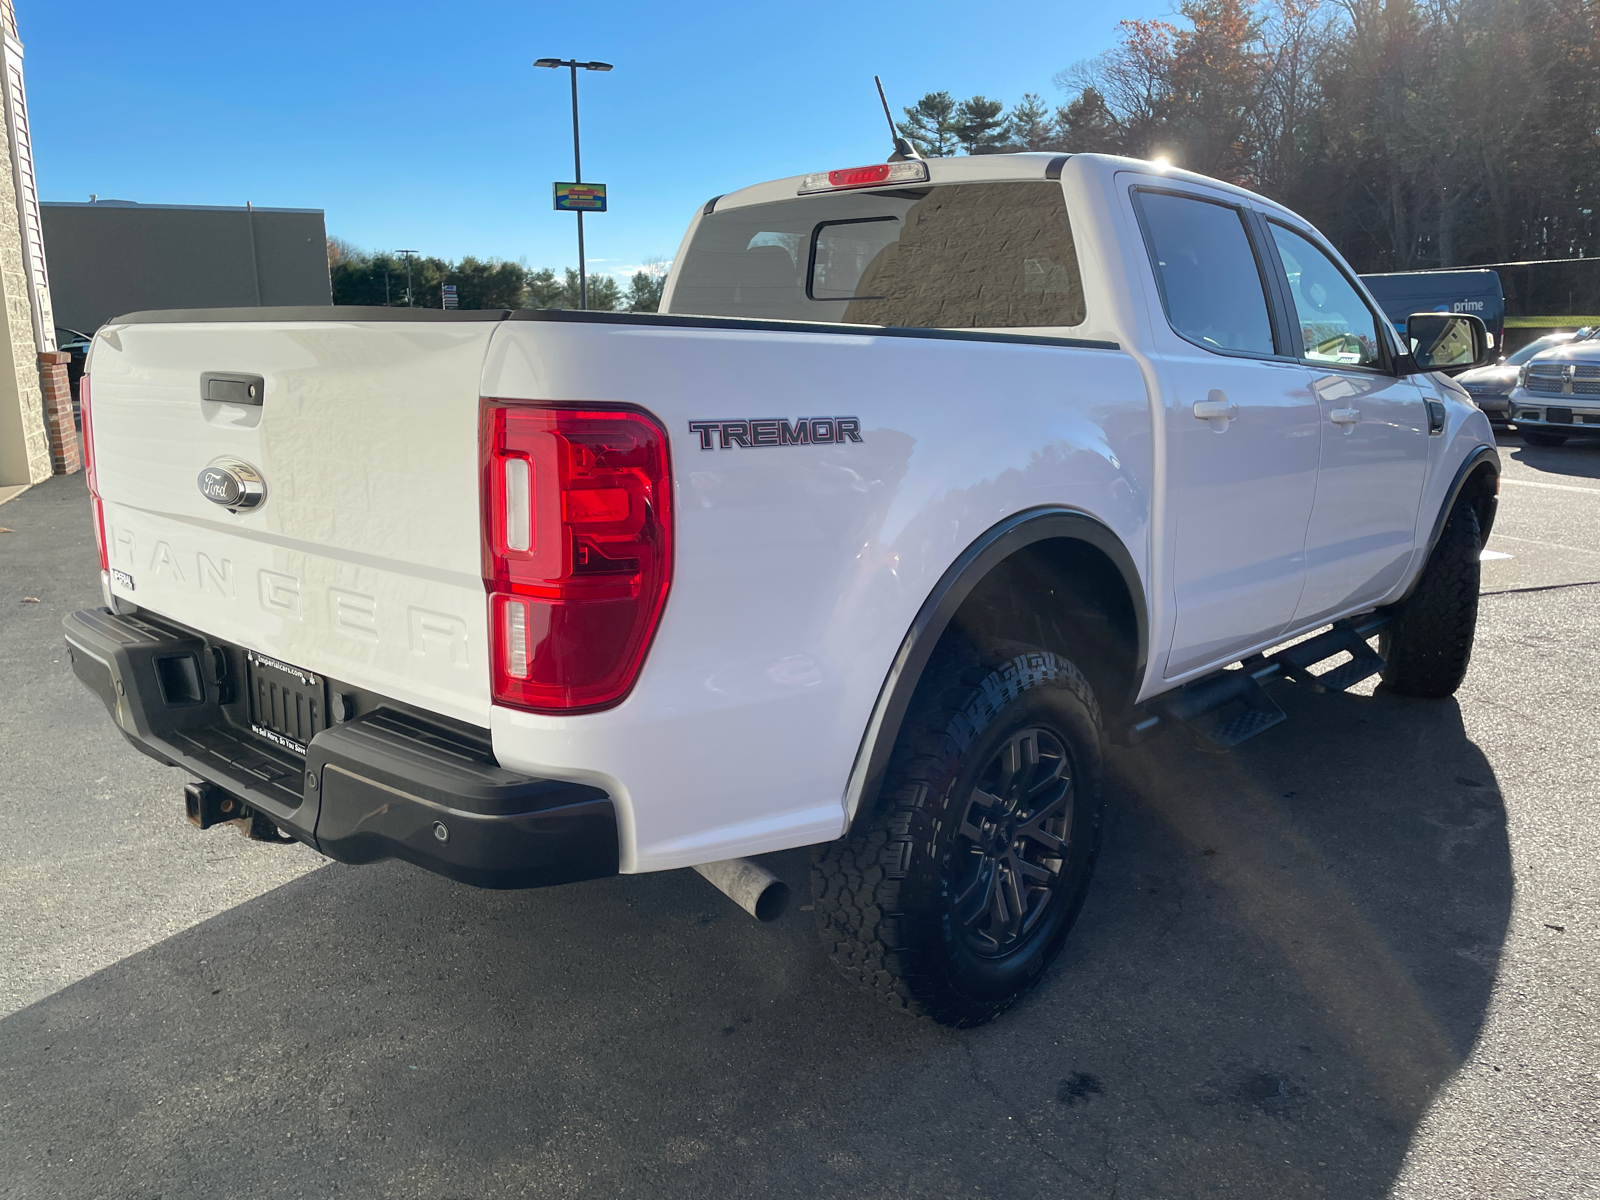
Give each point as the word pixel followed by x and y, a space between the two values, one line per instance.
pixel 100 530
pixel 89 474
pixel 577 550
pixel 88 435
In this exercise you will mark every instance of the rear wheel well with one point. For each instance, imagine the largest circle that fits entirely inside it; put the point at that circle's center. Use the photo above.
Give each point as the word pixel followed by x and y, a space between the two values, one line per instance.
pixel 1064 595
pixel 1057 579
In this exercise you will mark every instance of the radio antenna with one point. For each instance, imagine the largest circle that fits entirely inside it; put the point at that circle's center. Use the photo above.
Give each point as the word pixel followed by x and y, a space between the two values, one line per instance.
pixel 903 149
pixel 893 132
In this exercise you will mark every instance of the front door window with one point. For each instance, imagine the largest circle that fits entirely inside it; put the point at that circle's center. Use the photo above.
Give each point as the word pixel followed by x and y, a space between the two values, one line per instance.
pixel 1336 326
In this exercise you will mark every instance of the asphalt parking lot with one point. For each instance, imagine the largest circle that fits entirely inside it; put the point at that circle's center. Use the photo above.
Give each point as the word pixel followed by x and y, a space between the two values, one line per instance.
pixel 1358 957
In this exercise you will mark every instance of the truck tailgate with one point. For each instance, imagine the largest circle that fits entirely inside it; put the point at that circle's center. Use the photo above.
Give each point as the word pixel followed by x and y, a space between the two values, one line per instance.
pixel 364 560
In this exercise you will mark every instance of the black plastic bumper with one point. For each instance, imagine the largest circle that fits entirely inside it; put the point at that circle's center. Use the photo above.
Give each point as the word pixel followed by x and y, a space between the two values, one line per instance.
pixel 385 783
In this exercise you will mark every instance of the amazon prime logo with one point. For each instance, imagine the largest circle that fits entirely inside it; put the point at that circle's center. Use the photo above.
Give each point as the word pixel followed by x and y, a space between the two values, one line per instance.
pixel 232 483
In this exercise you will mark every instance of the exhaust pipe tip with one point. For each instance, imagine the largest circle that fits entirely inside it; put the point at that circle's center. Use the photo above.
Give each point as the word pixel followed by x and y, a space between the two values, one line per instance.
pixel 749 885
pixel 772 903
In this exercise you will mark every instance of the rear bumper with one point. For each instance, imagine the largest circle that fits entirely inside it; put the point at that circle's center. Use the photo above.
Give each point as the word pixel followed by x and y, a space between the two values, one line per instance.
pixel 388 783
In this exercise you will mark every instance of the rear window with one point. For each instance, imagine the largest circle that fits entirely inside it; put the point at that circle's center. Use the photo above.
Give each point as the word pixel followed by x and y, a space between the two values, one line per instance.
pixel 953 256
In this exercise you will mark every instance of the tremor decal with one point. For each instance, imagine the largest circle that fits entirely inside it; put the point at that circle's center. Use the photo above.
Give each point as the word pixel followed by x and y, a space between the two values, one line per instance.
pixel 767 431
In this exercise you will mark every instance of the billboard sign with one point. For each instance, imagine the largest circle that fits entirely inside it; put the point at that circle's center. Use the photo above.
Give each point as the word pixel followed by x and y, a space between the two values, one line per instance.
pixel 580 197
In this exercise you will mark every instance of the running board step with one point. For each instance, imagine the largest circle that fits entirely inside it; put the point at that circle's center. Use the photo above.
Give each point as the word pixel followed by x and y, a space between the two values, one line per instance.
pixel 1222 710
pixel 1230 707
pixel 1345 637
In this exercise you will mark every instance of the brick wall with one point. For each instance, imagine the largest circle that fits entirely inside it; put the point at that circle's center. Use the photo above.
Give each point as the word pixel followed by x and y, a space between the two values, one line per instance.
pixel 58 421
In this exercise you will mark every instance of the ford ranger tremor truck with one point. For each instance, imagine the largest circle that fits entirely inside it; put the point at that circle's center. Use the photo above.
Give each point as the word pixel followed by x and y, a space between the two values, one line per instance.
pixel 928 478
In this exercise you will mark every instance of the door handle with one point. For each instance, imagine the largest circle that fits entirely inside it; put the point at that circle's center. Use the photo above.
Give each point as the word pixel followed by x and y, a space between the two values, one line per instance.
pixel 1216 409
pixel 1346 417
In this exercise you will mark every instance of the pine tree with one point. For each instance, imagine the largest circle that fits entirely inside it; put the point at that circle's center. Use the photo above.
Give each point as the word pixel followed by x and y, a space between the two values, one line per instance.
pixel 603 292
pixel 487 283
pixel 930 125
pixel 1028 125
pixel 979 125
pixel 644 289
pixel 542 289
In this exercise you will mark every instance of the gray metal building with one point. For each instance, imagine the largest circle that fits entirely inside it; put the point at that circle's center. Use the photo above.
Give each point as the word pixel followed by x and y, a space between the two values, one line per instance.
pixel 109 257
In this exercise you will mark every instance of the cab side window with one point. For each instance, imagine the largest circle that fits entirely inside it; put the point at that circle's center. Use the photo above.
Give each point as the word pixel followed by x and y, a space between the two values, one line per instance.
pixel 1211 285
pixel 1336 325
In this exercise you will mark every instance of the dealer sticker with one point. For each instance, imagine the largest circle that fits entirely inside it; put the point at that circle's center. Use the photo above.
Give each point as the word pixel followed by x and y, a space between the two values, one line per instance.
pixel 277 739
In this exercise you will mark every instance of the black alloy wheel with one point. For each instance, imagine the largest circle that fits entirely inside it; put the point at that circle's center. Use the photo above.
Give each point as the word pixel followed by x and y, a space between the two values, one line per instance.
pixel 955 890
pixel 1004 866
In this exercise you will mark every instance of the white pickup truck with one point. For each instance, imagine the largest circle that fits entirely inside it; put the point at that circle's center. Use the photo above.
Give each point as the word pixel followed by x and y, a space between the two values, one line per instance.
pixel 929 477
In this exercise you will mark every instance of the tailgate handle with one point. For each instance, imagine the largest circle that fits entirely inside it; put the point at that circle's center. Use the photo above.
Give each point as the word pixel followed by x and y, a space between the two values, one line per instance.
pixel 229 387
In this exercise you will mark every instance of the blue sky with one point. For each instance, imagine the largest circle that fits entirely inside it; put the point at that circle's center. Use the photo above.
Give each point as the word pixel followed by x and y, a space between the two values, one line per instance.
pixel 426 126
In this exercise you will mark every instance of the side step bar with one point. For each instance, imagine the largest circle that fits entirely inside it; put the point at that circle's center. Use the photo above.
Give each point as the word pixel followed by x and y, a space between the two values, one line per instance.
pixel 1348 636
pixel 1222 710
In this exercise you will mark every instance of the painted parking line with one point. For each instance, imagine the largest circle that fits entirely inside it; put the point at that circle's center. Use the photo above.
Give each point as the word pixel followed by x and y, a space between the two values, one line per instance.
pixel 1554 487
pixel 1506 537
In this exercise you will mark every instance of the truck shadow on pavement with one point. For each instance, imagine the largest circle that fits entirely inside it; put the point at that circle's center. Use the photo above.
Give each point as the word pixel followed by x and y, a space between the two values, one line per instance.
pixel 1287 952
pixel 1579 458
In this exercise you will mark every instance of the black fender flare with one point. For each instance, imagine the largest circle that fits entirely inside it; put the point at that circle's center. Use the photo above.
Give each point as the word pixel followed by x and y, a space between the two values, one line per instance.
pixel 1483 455
pixel 993 547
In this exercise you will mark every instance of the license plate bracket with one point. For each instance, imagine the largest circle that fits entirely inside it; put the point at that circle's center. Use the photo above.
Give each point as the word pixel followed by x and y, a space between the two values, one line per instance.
pixel 1558 416
pixel 288 705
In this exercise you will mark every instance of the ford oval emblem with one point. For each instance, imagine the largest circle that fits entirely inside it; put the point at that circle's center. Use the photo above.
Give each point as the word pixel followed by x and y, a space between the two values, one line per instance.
pixel 232 483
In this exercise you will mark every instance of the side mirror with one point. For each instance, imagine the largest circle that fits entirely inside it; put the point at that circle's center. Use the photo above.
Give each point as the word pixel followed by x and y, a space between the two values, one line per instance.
pixel 1446 342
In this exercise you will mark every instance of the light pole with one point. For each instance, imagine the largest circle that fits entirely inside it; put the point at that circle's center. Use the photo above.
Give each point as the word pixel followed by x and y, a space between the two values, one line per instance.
pixel 406 254
pixel 573 65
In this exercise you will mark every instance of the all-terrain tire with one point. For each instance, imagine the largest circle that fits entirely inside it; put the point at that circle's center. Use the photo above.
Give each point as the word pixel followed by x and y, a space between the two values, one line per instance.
pixel 1429 644
pixel 895 898
pixel 1537 437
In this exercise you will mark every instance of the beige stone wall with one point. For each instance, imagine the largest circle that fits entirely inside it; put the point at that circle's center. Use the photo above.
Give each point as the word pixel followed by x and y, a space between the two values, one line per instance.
pixel 24 446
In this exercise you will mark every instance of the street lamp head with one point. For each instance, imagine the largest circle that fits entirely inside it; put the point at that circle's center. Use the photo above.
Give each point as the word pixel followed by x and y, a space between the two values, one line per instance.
pixel 571 62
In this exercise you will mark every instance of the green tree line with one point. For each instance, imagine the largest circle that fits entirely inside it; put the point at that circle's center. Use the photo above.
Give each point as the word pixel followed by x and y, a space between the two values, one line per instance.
pixel 379 278
pixel 1415 133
